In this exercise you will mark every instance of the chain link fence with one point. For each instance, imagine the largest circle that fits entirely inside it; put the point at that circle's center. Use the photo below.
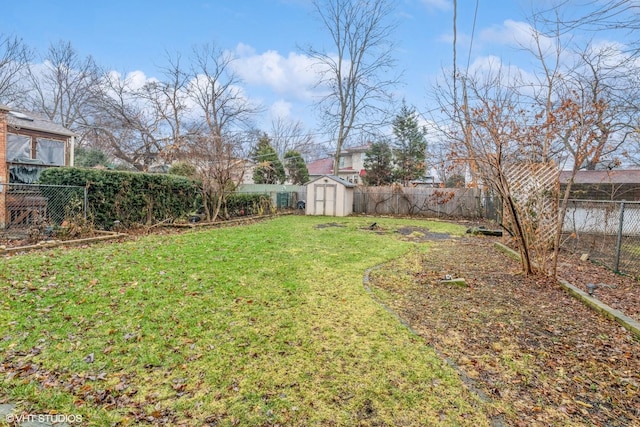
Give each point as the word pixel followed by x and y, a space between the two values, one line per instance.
pixel 27 209
pixel 283 197
pixel 609 231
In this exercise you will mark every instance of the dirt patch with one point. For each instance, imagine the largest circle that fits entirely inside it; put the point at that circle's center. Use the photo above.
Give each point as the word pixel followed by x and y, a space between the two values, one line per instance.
pixel 419 234
pixel 542 357
pixel 409 233
pixel 329 224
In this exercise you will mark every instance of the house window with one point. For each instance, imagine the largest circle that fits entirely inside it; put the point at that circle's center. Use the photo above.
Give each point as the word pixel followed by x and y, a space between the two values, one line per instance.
pixel 18 147
pixel 50 151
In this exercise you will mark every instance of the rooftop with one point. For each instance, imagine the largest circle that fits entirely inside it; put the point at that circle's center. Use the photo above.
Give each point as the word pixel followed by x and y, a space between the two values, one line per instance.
pixel 615 176
pixel 19 119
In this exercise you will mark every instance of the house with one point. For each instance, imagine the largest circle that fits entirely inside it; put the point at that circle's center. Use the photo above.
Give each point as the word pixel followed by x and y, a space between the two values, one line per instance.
pixel 616 184
pixel 29 143
pixel 351 167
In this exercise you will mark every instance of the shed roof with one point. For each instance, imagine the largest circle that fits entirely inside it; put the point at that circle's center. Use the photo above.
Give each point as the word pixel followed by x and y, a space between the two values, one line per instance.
pixel 334 178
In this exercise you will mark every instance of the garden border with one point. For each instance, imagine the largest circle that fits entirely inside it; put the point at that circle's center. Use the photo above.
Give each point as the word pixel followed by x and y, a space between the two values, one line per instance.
pixel 106 235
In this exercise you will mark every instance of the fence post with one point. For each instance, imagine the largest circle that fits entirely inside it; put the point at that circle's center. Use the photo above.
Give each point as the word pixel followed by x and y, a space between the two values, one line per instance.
pixel 86 202
pixel 616 266
pixel 397 209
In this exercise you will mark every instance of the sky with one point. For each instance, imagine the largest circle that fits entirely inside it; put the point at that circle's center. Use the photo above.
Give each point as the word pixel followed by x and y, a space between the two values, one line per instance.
pixel 266 35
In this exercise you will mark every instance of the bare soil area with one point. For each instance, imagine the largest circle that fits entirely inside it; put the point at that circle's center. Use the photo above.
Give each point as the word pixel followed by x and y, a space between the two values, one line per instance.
pixel 538 355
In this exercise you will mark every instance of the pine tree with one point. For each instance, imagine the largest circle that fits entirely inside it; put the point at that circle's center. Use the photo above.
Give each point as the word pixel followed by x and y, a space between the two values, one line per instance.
pixel 296 167
pixel 377 164
pixel 409 146
pixel 90 157
pixel 269 169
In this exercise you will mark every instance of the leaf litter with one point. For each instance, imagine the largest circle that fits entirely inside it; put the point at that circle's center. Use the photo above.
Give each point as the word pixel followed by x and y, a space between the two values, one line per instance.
pixel 541 356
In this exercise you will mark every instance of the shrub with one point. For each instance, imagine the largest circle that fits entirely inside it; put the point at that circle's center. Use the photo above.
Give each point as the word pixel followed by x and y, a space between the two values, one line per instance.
pixel 131 198
pixel 239 204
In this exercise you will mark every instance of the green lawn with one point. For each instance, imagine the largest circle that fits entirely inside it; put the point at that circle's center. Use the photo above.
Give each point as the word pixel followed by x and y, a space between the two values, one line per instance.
pixel 256 325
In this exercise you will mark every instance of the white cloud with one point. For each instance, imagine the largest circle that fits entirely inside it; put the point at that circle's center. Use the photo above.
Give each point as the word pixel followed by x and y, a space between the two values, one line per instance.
pixel 485 64
pixel 508 32
pixel 438 4
pixel 292 75
pixel 137 79
pixel 133 80
pixel 517 34
pixel 492 66
pixel 280 109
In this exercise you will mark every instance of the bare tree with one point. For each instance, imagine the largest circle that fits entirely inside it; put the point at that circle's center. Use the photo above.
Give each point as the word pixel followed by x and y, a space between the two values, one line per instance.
pixel 598 71
pixel 146 124
pixel 169 101
pixel 64 86
pixel 14 61
pixel 591 103
pixel 287 134
pixel 609 79
pixel 495 136
pixel 510 146
pixel 356 77
pixel 125 125
pixel 219 149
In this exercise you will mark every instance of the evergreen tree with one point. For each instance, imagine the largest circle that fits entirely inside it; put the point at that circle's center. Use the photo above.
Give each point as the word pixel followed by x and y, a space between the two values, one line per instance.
pixel 269 169
pixel 410 145
pixel 183 169
pixel 90 157
pixel 377 164
pixel 296 167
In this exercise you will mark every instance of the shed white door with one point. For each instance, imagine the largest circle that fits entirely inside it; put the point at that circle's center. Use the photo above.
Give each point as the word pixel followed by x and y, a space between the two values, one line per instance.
pixel 325 199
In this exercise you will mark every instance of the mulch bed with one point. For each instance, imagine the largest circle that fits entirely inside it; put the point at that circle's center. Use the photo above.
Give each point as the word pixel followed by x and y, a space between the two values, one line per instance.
pixel 539 355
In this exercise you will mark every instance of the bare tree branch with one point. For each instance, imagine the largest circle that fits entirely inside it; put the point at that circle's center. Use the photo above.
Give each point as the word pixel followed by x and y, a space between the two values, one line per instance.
pixel 14 61
pixel 356 77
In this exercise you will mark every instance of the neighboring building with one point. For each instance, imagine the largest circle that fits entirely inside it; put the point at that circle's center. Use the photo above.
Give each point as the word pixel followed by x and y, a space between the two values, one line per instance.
pixel 242 171
pixel 616 184
pixel 320 167
pixel 29 143
pixel 351 167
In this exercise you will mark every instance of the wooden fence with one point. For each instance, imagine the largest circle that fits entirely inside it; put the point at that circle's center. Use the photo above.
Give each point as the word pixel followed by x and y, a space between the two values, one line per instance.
pixel 428 202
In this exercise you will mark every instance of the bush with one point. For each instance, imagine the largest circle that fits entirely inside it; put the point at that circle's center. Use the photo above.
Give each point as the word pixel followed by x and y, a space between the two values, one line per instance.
pixel 239 204
pixel 131 198
pixel 183 169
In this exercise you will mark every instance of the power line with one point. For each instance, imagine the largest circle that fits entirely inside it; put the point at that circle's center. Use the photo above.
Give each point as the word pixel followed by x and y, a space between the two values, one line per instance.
pixel 473 32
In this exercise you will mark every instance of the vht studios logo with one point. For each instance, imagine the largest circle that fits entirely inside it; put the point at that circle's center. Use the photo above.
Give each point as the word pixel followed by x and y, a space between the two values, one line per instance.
pixel 43 418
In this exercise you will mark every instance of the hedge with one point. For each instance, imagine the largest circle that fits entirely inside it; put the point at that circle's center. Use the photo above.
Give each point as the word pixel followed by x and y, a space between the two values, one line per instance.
pixel 239 204
pixel 129 197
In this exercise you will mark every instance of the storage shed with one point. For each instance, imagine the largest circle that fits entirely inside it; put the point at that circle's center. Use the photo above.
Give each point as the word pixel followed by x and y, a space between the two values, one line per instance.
pixel 330 196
